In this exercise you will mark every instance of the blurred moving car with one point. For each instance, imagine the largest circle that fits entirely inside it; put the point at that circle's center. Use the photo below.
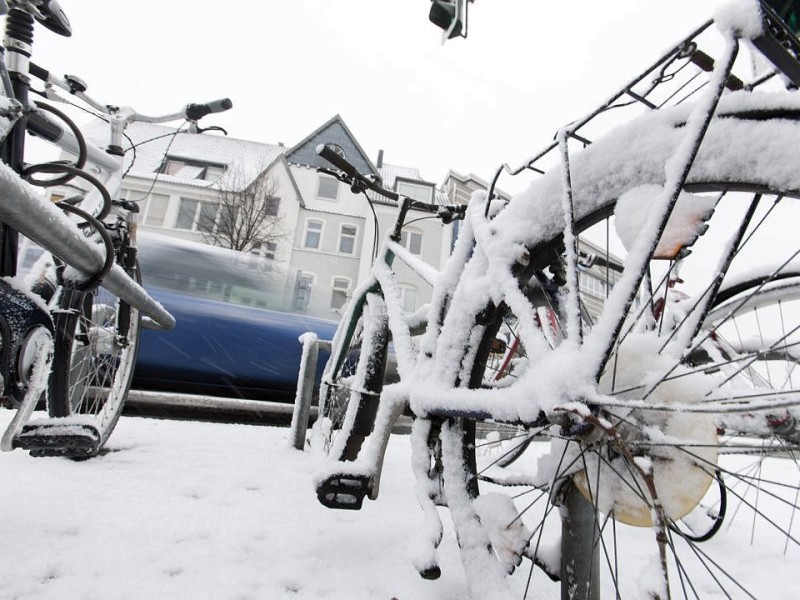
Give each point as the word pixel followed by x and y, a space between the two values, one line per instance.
pixel 229 341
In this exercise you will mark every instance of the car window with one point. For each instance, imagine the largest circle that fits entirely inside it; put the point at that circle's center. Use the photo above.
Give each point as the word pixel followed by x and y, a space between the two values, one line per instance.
pixel 209 272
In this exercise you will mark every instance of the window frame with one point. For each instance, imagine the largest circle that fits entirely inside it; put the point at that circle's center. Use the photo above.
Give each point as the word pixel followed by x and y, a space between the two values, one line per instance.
pixel 200 206
pixel 353 236
pixel 415 186
pixel 272 206
pixel 172 165
pixel 327 178
pixel 146 214
pixel 346 290
pixel 404 289
pixel 305 246
pixel 406 234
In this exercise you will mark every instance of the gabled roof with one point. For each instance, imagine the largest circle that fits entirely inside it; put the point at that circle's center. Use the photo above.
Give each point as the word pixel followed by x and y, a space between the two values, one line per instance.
pixel 333 131
pixel 246 159
pixel 282 161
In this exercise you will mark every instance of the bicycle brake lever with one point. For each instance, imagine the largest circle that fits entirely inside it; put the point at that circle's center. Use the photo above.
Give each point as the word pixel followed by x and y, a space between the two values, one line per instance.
pixel 337 174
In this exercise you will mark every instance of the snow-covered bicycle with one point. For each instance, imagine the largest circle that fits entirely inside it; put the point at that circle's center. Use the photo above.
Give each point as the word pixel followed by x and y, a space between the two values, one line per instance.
pixel 612 447
pixel 69 330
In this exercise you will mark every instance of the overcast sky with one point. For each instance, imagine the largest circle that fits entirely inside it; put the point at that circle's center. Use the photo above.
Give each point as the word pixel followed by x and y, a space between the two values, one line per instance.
pixel 527 67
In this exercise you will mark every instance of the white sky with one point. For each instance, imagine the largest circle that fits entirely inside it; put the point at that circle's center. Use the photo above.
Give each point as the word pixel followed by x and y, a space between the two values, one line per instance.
pixel 470 105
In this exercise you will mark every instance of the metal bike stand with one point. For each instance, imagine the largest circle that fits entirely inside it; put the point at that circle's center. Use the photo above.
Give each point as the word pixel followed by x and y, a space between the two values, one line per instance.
pixel 306 383
pixel 580 557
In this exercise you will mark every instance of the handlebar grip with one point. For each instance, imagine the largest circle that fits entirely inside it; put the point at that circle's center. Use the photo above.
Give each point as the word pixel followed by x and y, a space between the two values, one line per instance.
pixel 328 152
pixel 198 111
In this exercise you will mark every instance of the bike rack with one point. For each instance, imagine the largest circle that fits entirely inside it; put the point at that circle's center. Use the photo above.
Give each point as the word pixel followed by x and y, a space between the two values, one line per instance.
pixel 41 221
pixel 306 384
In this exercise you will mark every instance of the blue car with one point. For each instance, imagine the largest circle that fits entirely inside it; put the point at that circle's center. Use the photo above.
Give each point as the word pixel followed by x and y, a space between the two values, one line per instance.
pixel 228 342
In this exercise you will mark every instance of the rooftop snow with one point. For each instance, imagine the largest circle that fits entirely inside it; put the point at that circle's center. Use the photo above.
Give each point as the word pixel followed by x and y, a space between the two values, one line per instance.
pixel 246 159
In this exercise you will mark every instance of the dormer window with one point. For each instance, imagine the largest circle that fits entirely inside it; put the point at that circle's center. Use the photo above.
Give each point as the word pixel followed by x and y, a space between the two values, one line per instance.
pixel 191 169
pixel 416 191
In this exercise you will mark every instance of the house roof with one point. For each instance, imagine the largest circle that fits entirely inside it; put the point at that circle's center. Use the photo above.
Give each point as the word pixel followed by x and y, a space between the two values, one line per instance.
pixel 244 159
pixel 333 131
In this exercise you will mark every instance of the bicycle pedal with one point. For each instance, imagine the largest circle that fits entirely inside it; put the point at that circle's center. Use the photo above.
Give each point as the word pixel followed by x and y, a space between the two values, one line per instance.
pixel 344 491
pixel 431 573
pixel 55 439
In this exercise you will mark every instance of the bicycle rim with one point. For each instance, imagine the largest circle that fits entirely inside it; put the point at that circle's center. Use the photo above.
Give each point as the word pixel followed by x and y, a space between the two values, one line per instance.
pixel 96 346
pixel 351 391
pixel 739 451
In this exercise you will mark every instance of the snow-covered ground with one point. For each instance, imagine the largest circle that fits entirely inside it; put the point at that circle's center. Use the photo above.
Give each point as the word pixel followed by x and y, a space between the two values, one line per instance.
pixel 202 510
pixel 223 511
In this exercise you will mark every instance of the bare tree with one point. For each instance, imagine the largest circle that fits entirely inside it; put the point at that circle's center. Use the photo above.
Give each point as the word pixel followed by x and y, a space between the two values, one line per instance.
pixel 246 217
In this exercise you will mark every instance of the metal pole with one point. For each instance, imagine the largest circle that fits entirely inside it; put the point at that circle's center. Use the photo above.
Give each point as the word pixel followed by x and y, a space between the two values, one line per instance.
pixel 28 212
pixel 305 389
pixel 580 556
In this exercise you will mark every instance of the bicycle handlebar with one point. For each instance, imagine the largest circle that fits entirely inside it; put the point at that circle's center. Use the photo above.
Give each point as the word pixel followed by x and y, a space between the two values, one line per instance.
pixel 359 183
pixel 198 111
pixel 77 87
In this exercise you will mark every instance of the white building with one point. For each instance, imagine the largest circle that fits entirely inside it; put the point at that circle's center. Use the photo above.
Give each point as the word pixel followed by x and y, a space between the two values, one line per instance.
pixel 330 232
pixel 336 231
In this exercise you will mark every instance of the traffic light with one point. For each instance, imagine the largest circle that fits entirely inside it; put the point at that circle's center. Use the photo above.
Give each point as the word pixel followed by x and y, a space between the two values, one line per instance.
pixel 450 16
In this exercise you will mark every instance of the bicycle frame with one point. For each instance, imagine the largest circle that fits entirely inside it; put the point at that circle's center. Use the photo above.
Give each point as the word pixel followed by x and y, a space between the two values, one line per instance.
pixel 442 397
pixel 40 353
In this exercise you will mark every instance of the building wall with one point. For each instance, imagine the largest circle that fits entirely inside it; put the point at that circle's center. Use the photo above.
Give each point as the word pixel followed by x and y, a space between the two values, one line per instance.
pixel 327 263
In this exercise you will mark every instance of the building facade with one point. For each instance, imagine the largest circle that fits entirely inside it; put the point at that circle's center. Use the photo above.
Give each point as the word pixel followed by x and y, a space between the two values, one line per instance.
pixel 328 235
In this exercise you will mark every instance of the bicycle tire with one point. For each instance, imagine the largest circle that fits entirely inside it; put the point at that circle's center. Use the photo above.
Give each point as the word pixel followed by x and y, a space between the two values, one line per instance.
pixel 96 344
pixel 353 379
pixel 597 188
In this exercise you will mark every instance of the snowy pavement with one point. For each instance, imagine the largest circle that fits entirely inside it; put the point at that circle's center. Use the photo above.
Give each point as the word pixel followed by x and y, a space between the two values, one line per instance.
pixel 200 510
pixel 181 509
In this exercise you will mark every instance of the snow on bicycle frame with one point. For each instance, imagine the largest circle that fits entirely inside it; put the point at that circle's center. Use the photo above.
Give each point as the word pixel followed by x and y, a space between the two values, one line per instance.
pixel 683 138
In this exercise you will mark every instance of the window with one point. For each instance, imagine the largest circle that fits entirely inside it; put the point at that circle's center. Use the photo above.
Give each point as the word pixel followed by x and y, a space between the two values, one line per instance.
pixel 272 206
pixel 195 215
pixel 408 298
pixel 192 169
pixel 208 216
pixel 302 290
pixel 593 285
pixel 270 249
pixel 341 289
pixel 328 188
pixel 415 191
pixel 266 250
pixel 347 239
pixel 213 173
pixel 186 214
pixel 313 235
pixel 411 241
pixel 156 210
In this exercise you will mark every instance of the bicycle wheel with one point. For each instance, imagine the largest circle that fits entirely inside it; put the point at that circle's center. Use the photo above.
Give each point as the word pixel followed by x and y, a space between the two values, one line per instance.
pixel 353 380
pixel 97 340
pixel 615 489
